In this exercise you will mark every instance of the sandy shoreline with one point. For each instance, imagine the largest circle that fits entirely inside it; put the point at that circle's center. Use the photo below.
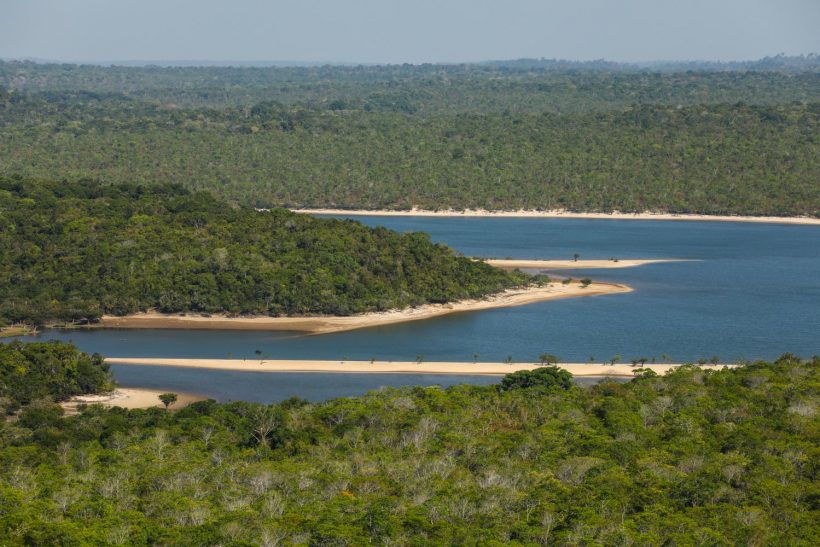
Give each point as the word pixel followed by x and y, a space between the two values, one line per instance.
pixel 327 324
pixel 129 397
pixel 564 214
pixel 390 367
pixel 512 264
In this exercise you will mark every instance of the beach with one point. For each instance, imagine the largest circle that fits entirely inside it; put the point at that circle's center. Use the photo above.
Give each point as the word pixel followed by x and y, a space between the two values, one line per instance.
pixel 130 398
pixel 525 213
pixel 327 324
pixel 394 367
pixel 512 264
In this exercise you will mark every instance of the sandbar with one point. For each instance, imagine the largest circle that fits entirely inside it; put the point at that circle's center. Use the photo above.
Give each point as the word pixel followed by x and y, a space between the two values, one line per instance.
pixel 129 397
pixel 392 367
pixel 327 324
pixel 527 213
pixel 512 264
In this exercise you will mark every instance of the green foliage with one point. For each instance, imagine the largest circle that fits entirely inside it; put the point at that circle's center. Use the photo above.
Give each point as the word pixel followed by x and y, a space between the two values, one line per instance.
pixel 496 137
pixel 693 457
pixel 74 251
pixel 168 399
pixel 543 377
pixel 49 370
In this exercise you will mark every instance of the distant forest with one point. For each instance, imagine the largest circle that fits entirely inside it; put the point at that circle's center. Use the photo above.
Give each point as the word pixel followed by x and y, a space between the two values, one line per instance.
pixel 737 138
pixel 75 251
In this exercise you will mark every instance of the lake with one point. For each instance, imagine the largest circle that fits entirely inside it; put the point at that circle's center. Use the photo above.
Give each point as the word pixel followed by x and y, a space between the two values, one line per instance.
pixel 753 292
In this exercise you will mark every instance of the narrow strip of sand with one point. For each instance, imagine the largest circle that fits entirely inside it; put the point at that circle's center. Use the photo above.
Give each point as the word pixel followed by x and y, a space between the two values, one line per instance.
pixel 129 397
pixel 327 324
pixel 512 264
pixel 648 215
pixel 389 367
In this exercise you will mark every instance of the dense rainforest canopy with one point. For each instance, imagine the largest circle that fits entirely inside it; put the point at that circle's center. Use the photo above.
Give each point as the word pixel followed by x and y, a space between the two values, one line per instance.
pixel 74 251
pixel 48 370
pixel 690 458
pixel 538 135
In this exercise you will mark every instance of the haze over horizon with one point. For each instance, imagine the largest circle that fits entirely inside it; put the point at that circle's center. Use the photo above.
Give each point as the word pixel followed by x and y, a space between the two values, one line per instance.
pixel 390 32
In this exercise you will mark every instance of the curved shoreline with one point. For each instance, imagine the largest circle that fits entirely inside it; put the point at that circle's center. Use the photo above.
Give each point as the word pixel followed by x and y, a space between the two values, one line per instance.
pixel 524 213
pixel 328 324
pixel 392 367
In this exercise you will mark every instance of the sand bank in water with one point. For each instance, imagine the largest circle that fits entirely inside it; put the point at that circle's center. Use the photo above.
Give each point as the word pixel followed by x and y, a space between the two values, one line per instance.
pixel 326 324
pixel 128 397
pixel 387 367
pixel 513 264
pixel 563 214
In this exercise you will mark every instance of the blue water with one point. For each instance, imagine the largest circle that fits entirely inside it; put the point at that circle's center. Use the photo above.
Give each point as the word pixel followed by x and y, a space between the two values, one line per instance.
pixel 752 293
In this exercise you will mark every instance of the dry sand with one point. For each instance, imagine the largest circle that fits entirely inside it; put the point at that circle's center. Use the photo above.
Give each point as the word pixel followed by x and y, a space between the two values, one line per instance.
pixel 575 264
pixel 326 324
pixel 130 398
pixel 563 214
pixel 386 367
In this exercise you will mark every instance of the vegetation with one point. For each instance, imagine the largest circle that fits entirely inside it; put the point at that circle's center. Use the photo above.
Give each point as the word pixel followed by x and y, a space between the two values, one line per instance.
pixel 533 135
pixel 693 457
pixel 74 251
pixel 167 399
pixel 48 370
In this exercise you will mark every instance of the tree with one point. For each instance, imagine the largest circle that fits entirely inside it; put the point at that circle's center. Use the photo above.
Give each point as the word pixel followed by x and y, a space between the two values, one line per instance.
pixel 575 257
pixel 548 359
pixel 585 282
pixel 545 377
pixel 168 399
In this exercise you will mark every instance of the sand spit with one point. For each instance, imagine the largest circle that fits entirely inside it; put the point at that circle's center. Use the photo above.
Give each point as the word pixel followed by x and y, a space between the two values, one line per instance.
pixel 390 367
pixel 327 324
pixel 564 214
pixel 513 264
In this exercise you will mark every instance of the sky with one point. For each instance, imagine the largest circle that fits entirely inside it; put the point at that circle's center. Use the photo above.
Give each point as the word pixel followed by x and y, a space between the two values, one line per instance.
pixel 406 31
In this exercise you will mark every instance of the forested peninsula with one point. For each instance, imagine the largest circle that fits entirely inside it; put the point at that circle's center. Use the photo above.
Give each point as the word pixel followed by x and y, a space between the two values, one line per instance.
pixel 586 137
pixel 73 251
pixel 694 457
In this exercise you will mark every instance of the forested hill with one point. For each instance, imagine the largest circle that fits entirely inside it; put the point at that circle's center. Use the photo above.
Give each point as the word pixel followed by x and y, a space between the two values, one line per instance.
pixel 74 251
pixel 691 458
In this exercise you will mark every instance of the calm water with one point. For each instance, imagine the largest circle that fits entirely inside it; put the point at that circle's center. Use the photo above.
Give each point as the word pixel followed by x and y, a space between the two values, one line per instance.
pixel 754 292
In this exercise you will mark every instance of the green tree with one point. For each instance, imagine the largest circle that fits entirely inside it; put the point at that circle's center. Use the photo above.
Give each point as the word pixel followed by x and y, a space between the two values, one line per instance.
pixel 168 399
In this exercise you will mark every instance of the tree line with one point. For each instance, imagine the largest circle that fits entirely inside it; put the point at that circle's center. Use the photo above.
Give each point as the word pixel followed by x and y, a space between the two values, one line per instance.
pixel 711 159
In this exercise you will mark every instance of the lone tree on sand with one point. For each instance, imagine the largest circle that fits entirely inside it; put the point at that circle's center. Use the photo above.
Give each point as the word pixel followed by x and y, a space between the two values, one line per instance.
pixel 168 399
pixel 575 257
pixel 548 359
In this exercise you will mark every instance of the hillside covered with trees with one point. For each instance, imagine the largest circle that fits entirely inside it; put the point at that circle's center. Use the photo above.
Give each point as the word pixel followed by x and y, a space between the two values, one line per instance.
pixel 74 251
pixel 694 457
pixel 738 139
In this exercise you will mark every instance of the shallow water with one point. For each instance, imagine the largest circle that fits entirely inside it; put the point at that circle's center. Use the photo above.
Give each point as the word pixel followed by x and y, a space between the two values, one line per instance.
pixel 265 387
pixel 753 293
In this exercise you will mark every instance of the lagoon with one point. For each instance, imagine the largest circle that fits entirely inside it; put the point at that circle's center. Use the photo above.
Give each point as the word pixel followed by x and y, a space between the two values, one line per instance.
pixel 753 292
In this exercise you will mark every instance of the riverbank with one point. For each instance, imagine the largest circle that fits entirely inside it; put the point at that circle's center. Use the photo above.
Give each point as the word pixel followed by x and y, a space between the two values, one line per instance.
pixel 17 330
pixel 328 324
pixel 562 214
pixel 130 398
pixel 513 264
pixel 391 367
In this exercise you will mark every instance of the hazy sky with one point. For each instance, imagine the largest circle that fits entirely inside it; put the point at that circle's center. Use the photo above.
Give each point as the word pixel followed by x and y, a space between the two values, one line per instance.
pixel 414 31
